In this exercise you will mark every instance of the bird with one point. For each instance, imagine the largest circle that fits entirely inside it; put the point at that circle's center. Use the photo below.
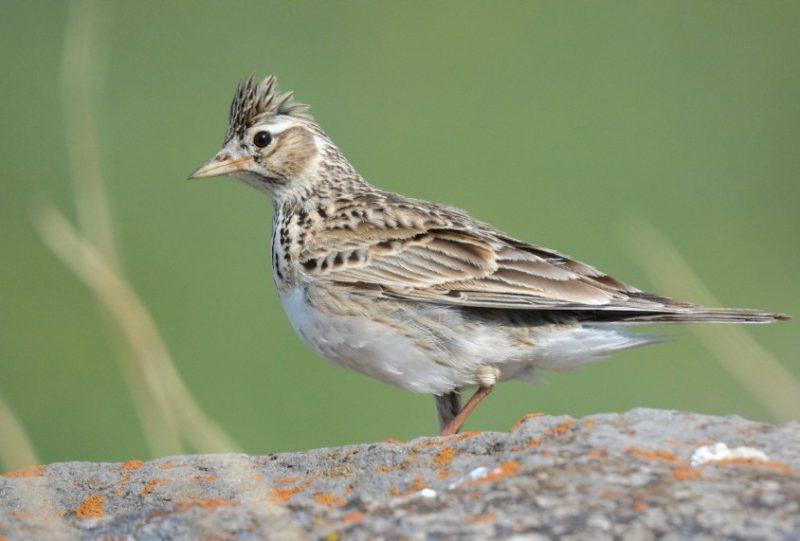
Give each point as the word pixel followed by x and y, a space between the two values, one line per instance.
pixel 417 294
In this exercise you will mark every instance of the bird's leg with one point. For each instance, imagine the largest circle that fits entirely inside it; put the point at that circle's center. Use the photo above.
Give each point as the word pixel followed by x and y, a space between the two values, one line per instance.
pixel 448 406
pixel 458 421
pixel 487 376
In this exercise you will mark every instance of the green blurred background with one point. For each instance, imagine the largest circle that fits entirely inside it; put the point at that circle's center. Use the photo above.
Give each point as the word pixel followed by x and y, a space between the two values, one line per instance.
pixel 557 122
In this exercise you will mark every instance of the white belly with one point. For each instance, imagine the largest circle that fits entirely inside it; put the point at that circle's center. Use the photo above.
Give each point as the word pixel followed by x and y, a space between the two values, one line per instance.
pixel 371 348
pixel 462 348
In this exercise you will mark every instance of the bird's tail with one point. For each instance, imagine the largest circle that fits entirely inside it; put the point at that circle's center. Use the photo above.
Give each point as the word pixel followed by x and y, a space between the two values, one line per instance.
pixel 700 314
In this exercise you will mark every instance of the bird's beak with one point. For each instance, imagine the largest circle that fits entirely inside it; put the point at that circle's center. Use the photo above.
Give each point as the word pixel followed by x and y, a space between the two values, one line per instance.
pixel 220 165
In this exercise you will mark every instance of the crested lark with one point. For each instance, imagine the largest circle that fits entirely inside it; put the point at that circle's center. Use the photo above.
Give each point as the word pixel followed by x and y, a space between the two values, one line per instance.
pixel 417 294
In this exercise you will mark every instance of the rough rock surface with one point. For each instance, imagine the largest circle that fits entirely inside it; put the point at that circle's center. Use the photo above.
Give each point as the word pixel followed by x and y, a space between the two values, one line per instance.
pixel 610 476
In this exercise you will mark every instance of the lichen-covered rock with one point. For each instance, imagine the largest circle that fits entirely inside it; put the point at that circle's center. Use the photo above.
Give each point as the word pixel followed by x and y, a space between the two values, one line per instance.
pixel 611 476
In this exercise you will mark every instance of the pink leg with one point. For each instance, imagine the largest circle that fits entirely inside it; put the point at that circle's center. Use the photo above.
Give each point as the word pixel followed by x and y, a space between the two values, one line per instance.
pixel 458 421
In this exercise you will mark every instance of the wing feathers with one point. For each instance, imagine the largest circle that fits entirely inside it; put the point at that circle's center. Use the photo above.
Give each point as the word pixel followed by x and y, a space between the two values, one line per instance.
pixel 435 254
pixel 451 265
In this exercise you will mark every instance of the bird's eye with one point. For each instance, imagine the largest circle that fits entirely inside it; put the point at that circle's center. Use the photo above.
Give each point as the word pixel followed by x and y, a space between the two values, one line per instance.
pixel 262 139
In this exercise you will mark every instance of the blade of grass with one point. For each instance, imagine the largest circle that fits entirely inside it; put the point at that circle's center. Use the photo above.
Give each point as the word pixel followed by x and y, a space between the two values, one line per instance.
pixel 171 396
pixel 165 406
pixel 18 458
pixel 94 270
pixel 80 82
pixel 732 346
pixel 16 449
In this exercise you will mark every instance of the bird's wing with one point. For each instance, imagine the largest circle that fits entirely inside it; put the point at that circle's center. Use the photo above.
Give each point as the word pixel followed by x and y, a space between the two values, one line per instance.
pixel 440 255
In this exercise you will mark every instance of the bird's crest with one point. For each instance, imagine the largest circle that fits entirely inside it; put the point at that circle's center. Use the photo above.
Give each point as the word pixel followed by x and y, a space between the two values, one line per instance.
pixel 256 101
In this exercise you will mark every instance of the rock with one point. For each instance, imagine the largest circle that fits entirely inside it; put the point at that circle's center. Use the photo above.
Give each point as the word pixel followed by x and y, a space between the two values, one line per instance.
pixel 611 476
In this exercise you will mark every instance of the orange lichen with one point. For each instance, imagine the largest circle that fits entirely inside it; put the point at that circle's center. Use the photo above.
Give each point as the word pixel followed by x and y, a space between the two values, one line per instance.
pixel 129 465
pixel 412 456
pixel 444 474
pixel 383 469
pixel 482 519
pixel 691 442
pixel 328 499
pixel 287 479
pixel 659 454
pixel 30 471
pixel 432 442
pixel 207 478
pixel 418 484
pixel 92 507
pixel 392 441
pixel 51 516
pixel 598 453
pixel 683 474
pixel 505 470
pixel 778 466
pixel 589 423
pixel 23 514
pixel 127 469
pixel 524 419
pixel 151 486
pixel 465 435
pixel 639 505
pixel 564 427
pixel 443 440
pixel 208 503
pixel 444 457
pixel 354 518
pixel 283 494
pixel 533 442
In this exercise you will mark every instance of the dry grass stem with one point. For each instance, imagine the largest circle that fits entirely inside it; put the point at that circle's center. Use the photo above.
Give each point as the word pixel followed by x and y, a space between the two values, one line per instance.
pixel 79 89
pixel 16 449
pixel 735 349
pixel 156 415
pixel 16 452
pixel 176 406
pixel 168 412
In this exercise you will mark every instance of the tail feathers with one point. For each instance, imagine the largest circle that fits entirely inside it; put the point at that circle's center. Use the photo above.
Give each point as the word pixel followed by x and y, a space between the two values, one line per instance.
pixel 701 314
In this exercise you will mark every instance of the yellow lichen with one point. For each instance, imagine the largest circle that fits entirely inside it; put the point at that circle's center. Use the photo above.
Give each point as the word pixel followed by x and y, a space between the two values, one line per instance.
pixel 92 507
pixel 329 500
pixel 30 471
pixel 151 486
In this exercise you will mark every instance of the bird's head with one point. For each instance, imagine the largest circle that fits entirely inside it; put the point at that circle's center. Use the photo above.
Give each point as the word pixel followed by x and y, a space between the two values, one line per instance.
pixel 272 143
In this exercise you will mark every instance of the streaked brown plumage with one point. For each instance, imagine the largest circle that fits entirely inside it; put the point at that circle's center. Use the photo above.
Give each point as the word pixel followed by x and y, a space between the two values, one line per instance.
pixel 414 293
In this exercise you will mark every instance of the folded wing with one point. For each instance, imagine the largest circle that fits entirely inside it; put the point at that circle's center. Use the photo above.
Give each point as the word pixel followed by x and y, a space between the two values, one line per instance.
pixel 440 255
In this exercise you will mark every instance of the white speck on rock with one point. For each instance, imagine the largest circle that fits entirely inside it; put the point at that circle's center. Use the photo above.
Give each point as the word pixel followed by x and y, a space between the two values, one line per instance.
pixel 427 493
pixel 721 451
pixel 477 473
pixel 599 521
